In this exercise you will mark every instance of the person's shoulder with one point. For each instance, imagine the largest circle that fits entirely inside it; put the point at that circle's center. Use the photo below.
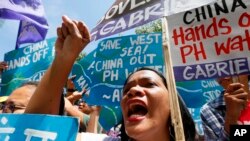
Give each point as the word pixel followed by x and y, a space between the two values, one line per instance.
pixel 205 108
pixel 217 102
pixel 86 116
pixel 85 136
pixel 213 105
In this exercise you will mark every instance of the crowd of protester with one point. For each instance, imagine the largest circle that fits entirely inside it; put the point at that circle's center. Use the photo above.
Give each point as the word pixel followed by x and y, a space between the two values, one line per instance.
pixel 145 102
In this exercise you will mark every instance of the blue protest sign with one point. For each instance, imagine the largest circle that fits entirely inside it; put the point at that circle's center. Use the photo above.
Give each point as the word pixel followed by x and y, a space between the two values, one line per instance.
pixel 104 72
pixel 14 127
pixel 197 93
pixel 195 113
pixel 27 64
pixel 110 116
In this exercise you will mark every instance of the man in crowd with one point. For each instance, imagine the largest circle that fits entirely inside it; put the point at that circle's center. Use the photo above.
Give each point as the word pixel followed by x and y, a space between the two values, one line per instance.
pixel 227 109
pixel 19 98
pixel 76 107
pixel 3 66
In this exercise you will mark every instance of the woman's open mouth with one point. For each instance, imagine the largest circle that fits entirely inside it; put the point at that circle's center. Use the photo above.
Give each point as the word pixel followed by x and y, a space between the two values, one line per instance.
pixel 136 110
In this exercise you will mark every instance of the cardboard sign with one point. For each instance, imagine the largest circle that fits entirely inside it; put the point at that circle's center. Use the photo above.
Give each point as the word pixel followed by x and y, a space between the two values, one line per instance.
pixel 211 41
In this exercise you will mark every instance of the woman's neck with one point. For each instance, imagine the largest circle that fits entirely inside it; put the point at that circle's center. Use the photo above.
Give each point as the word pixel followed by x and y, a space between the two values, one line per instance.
pixel 154 135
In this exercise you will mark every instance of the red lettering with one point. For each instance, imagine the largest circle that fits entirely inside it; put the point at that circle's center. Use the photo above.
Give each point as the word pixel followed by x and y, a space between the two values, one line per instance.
pixel 228 29
pixel 235 43
pixel 212 29
pixel 197 51
pixel 176 36
pixel 185 51
pixel 216 28
pixel 244 20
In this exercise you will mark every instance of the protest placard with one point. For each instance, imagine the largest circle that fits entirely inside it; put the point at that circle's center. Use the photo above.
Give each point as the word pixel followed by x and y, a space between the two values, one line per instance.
pixel 212 41
pixel 26 64
pixel 125 15
pixel 113 60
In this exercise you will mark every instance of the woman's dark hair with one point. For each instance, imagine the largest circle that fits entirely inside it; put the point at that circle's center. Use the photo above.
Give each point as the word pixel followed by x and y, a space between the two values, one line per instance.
pixel 145 68
pixel 187 120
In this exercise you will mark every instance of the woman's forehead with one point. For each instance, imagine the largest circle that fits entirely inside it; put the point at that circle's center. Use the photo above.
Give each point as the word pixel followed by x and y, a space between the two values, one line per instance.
pixel 144 74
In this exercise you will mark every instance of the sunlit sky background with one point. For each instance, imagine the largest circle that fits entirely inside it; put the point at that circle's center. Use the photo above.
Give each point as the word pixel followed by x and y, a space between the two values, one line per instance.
pixel 89 11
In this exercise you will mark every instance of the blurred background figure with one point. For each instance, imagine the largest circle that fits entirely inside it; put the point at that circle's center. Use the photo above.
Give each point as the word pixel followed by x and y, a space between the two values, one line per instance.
pixel 17 101
pixel 75 106
pixel 70 86
pixel 2 101
pixel 3 66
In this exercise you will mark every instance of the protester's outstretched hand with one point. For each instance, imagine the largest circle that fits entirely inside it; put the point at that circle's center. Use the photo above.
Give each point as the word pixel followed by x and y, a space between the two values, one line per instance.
pixel 73 36
pixel 3 66
pixel 75 96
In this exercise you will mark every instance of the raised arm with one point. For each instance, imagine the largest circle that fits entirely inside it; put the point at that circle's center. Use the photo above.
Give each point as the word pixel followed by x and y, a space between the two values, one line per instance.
pixel 74 112
pixel 94 119
pixel 73 36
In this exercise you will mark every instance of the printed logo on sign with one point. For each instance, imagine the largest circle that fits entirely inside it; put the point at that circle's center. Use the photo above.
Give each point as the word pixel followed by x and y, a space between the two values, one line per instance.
pixel 240 132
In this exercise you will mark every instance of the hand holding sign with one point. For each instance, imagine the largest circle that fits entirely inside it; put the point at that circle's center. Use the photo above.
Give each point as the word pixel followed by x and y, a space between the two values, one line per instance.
pixel 245 113
pixel 236 100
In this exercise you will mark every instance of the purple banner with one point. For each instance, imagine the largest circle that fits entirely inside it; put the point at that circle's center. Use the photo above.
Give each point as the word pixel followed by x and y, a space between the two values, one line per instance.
pixel 212 70
pixel 33 26
pixel 30 33
pixel 127 14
